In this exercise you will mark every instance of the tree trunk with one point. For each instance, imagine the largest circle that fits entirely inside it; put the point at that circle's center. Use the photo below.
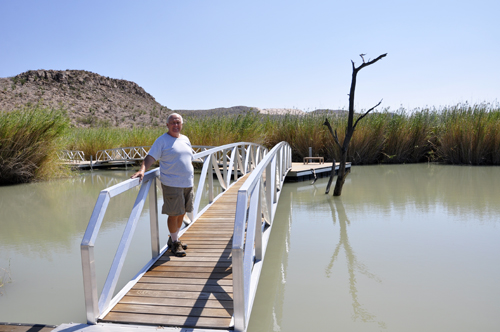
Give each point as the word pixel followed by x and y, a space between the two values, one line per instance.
pixel 332 174
pixel 351 126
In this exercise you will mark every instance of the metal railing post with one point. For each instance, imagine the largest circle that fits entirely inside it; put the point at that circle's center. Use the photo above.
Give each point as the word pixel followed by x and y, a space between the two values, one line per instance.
pixel 224 166
pixel 153 219
pixel 90 284
pixel 258 224
pixel 211 179
pixel 269 190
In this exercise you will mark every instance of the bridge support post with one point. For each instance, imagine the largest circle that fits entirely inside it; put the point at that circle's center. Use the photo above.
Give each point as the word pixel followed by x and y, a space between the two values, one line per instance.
pixel 211 179
pixel 153 219
pixel 224 167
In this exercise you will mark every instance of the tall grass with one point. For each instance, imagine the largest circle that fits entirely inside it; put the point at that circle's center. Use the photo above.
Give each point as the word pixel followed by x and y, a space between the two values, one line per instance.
pixel 219 129
pixel 368 140
pixel 29 141
pixel 409 136
pixel 300 132
pixel 211 131
pixel 460 134
pixel 469 134
pixel 91 140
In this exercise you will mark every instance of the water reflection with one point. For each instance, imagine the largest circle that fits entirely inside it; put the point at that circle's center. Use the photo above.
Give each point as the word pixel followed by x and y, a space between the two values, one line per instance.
pixel 49 215
pixel 406 248
pixel 389 255
pixel 459 189
pixel 353 265
pixel 274 275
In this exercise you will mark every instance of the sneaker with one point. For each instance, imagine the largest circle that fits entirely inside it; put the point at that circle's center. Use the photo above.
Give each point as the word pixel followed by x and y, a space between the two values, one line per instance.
pixel 170 244
pixel 177 249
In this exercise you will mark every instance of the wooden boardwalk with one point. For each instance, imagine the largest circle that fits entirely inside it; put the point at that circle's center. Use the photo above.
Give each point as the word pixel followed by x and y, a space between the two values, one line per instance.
pixel 304 172
pixel 195 291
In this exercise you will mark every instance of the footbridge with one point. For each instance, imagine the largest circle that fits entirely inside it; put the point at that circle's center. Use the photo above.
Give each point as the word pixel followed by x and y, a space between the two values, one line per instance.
pixel 214 286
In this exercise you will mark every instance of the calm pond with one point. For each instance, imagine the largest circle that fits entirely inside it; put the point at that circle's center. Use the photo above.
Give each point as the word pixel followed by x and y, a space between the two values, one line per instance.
pixel 405 248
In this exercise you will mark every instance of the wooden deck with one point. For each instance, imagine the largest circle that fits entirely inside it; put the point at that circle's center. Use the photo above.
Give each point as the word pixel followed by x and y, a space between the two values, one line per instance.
pixel 195 291
pixel 304 172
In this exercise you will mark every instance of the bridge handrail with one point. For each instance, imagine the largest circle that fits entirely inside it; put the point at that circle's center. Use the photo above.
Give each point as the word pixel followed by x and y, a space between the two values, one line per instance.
pixel 235 157
pixel 134 153
pixel 255 208
pixel 71 155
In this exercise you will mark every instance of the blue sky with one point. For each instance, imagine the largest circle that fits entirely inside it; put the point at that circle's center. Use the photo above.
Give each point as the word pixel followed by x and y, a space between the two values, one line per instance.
pixel 266 54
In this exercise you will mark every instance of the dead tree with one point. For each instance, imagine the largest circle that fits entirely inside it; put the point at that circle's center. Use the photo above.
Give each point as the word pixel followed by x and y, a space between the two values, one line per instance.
pixel 351 126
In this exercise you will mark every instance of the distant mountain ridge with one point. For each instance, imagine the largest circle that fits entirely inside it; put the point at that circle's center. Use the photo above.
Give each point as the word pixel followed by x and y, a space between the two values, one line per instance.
pixel 94 100
pixel 89 98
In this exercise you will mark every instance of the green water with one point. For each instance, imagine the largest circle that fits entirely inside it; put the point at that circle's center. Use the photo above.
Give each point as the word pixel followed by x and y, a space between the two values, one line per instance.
pixel 406 248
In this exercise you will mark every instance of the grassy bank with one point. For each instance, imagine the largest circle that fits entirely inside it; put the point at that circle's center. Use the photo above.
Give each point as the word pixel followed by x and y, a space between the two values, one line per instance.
pixel 29 141
pixel 461 134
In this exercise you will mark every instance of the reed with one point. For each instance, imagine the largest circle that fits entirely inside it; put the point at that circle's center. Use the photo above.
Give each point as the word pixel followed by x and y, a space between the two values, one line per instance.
pixel 29 141
pixel 409 136
pixel 368 140
pixel 469 134
pixel 224 129
pixel 91 140
pixel 301 132
pixel 459 134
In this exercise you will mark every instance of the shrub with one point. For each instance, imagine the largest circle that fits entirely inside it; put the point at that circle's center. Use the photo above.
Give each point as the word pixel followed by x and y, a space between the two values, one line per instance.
pixel 29 140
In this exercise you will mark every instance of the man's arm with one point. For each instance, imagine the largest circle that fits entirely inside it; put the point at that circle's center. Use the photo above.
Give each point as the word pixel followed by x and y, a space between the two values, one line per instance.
pixel 146 164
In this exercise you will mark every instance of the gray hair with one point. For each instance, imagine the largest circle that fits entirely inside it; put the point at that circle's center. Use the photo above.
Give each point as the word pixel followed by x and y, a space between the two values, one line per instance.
pixel 170 116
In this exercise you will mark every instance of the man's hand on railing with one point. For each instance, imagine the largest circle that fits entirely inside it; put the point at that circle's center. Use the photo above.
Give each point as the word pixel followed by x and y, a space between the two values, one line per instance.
pixel 146 163
pixel 138 174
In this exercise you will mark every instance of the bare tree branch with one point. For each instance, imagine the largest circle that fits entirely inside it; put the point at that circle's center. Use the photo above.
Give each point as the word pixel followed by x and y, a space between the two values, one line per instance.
pixel 334 135
pixel 366 113
pixel 370 62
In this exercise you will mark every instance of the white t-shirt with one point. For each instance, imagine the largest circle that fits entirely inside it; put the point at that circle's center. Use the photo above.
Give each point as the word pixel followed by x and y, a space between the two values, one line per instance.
pixel 176 157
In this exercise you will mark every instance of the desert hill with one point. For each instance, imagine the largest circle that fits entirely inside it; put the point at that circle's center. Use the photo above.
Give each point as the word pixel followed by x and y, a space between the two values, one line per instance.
pixel 89 98
pixel 94 100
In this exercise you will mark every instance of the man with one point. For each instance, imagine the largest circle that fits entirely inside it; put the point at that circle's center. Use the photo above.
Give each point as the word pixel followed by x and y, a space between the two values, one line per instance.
pixel 175 154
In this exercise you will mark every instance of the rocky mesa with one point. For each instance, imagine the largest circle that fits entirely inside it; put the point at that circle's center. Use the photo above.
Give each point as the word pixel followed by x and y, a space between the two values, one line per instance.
pixel 94 100
pixel 89 99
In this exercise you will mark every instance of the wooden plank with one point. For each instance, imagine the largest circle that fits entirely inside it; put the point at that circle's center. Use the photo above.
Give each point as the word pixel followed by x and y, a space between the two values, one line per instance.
pixel 167 320
pixel 208 251
pixel 168 268
pixel 209 232
pixel 192 303
pixel 174 310
pixel 5 327
pixel 191 263
pixel 181 295
pixel 206 237
pixel 194 258
pixel 160 280
pixel 183 287
pixel 190 275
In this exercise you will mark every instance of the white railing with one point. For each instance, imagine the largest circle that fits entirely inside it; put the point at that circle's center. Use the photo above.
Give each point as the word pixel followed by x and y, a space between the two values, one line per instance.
pixel 235 159
pixel 255 209
pixel 71 155
pixel 134 153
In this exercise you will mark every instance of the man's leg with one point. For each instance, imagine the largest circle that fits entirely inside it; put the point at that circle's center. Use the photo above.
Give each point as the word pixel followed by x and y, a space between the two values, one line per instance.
pixel 174 225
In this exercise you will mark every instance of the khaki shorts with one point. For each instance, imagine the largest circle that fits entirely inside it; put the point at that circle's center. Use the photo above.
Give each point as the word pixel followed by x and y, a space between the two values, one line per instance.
pixel 177 201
